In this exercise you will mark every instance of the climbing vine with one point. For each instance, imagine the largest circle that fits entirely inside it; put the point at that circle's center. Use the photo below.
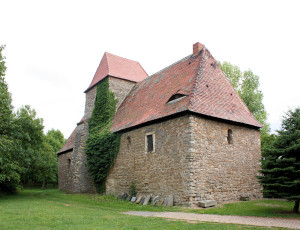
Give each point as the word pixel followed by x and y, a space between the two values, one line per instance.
pixel 102 146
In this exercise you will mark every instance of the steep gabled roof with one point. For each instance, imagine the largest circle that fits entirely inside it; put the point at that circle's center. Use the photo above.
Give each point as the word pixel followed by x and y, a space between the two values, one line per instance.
pixel 203 87
pixel 69 145
pixel 115 66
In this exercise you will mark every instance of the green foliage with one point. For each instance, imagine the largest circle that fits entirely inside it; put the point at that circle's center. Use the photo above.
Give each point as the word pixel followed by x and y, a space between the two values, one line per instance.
pixel 247 85
pixel 2 62
pixel 46 160
pixel 132 191
pixel 9 166
pixel 101 149
pixel 281 163
pixel 26 154
pixel 102 146
pixel 105 107
pixel 30 134
pixel 55 139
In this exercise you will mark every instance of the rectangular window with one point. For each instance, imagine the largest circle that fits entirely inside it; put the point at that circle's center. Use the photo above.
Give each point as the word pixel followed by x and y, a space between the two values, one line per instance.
pixel 150 143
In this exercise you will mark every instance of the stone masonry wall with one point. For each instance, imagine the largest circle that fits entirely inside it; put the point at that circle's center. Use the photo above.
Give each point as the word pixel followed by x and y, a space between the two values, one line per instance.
pixel 192 160
pixel 222 171
pixel 90 97
pixel 162 172
pixel 64 171
pixel 77 174
pixel 120 88
pixel 81 180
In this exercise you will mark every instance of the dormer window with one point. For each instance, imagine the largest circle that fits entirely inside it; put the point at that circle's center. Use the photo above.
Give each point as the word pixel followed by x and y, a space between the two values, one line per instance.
pixel 176 97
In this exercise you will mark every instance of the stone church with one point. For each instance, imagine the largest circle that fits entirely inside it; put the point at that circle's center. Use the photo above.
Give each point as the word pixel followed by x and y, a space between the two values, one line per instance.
pixel 185 131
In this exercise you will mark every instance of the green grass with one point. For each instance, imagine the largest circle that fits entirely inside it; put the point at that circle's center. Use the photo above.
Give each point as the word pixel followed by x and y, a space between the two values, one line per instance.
pixel 52 209
pixel 262 208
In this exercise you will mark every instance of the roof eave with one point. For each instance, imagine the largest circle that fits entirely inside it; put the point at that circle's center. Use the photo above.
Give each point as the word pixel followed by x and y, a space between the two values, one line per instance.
pixel 181 113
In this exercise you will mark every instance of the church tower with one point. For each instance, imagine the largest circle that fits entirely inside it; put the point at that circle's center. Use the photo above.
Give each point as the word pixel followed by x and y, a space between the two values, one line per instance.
pixel 122 75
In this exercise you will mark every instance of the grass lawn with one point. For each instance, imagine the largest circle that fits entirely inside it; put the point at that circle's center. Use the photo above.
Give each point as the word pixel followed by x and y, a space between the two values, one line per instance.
pixel 262 208
pixel 52 209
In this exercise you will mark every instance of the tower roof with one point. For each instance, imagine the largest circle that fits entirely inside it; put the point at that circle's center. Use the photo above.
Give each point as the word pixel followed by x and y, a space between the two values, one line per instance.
pixel 115 66
pixel 195 83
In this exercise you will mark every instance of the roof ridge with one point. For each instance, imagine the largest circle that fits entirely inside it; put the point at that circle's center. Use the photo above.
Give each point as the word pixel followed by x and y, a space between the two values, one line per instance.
pixel 192 99
pixel 121 57
pixel 142 68
pixel 105 55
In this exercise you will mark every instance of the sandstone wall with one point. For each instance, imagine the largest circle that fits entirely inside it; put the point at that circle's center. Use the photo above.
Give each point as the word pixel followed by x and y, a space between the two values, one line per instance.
pixel 64 171
pixel 90 97
pixel 162 172
pixel 120 88
pixel 192 160
pixel 81 180
pixel 75 178
pixel 223 171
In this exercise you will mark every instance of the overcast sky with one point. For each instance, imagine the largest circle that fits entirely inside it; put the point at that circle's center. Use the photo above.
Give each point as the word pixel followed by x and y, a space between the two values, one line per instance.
pixel 53 48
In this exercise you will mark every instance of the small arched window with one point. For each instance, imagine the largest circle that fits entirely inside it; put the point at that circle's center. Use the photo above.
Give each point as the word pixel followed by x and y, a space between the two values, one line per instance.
pixel 230 136
pixel 69 163
pixel 176 97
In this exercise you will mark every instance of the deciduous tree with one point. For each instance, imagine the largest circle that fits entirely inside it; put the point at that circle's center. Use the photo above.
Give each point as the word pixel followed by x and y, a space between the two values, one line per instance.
pixel 9 167
pixel 247 85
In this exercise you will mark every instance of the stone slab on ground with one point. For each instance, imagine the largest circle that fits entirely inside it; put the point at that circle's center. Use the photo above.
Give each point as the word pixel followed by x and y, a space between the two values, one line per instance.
pixel 138 200
pixel 155 200
pixel 207 203
pixel 160 202
pixel 147 199
pixel 170 200
pixel 244 198
pixel 125 195
pixel 119 197
pixel 133 199
pixel 292 223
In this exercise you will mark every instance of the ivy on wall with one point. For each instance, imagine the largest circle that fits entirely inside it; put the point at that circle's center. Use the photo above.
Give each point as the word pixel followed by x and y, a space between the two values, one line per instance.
pixel 102 146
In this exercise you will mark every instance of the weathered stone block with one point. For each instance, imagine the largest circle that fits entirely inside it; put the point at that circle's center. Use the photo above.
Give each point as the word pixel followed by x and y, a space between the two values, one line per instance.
pixel 155 200
pixel 170 200
pixel 207 203
pixel 147 199
pixel 138 200
pixel 244 198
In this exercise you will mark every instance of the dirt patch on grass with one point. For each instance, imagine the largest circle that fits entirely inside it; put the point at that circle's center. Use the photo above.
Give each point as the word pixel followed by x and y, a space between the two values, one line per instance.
pixel 271 205
pixel 68 205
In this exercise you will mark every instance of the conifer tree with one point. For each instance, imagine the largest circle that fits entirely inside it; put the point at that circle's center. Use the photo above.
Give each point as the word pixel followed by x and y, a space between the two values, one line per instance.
pixel 281 161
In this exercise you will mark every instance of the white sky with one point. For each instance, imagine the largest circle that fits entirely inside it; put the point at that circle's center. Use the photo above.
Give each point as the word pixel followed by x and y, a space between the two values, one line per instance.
pixel 53 48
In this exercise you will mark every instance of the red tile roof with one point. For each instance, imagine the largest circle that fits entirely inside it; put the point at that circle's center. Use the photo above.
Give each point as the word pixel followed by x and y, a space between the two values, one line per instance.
pixel 69 144
pixel 200 78
pixel 119 67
